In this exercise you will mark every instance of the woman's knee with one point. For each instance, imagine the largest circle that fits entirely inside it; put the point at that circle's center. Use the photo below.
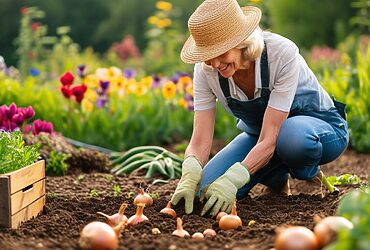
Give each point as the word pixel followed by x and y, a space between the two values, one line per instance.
pixel 297 144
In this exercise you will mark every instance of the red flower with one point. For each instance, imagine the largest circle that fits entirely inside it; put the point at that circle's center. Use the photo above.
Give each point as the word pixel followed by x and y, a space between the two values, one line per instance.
pixel 66 90
pixel 35 26
pixel 67 79
pixel 79 91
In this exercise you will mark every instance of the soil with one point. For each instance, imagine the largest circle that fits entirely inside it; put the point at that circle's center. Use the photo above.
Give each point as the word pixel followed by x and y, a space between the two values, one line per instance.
pixel 70 206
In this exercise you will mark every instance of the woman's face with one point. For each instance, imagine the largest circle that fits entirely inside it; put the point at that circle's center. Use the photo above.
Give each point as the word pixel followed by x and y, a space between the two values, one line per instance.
pixel 228 63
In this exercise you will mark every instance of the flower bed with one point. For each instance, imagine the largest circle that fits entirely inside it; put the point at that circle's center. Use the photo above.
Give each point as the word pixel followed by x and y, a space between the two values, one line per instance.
pixel 73 200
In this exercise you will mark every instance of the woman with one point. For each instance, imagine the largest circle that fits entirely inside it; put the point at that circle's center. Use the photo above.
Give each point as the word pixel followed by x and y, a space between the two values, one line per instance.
pixel 289 123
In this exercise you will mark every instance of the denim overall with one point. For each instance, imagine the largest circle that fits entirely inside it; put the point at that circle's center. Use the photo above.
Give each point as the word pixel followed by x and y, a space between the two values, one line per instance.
pixel 306 139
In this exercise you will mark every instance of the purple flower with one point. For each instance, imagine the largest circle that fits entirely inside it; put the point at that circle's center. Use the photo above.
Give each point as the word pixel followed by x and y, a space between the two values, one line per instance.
pixel 104 84
pixel 8 112
pixel 42 126
pixel 128 73
pixel 155 82
pixel 175 78
pixel 80 70
pixel 100 102
pixel 27 112
pixel 188 97
pixel 27 129
pixel 18 119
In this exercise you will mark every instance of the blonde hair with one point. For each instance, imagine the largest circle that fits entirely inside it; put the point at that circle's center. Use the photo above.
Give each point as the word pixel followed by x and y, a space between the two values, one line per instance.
pixel 253 45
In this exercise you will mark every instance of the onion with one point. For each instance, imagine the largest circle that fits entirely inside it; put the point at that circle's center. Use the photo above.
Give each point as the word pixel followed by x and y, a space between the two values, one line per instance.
pixel 296 237
pixel 209 233
pixel 115 219
pixel 198 236
pixel 139 216
pixel 230 221
pixel 219 215
pixel 180 232
pixel 169 210
pixel 143 197
pixel 100 236
pixel 326 229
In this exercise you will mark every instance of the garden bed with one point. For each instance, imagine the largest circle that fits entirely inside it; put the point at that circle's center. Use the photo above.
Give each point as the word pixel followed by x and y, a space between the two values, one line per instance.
pixel 71 204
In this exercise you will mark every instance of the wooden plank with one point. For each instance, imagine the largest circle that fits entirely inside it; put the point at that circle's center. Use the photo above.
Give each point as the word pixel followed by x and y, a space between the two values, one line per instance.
pixel 26 176
pixel 4 201
pixel 28 212
pixel 23 198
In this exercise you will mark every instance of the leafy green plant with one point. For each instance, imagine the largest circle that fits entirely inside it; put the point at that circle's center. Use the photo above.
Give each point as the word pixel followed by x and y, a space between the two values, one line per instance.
pixel 57 164
pixel 350 83
pixel 14 154
pixel 344 179
pixel 354 206
pixel 116 190
pixel 93 193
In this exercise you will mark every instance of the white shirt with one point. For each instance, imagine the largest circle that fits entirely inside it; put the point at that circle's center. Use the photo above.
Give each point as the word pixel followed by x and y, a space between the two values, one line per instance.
pixel 289 74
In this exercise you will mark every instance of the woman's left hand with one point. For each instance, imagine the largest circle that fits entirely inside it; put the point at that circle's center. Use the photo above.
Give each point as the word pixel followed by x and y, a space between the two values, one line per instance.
pixel 221 194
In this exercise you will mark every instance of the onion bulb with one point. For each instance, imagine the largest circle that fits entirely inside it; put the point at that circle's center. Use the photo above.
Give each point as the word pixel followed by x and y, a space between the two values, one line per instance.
pixel 143 197
pixel 209 232
pixel 180 232
pixel 326 229
pixel 100 236
pixel 169 210
pixel 198 236
pixel 115 219
pixel 219 215
pixel 230 221
pixel 139 216
pixel 296 237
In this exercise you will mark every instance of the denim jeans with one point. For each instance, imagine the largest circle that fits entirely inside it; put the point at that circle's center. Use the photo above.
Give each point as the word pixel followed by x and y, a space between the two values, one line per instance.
pixel 304 143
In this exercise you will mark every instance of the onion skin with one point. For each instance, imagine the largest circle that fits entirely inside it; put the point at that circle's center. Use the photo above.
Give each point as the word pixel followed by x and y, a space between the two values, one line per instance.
pixel 168 210
pixel 219 215
pixel 230 221
pixel 180 232
pixel 296 237
pixel 209 232
pixel 326 230
pixel 198 236
pixel 143 198
pixel 115 219
pixel 139 216
pixel 98 236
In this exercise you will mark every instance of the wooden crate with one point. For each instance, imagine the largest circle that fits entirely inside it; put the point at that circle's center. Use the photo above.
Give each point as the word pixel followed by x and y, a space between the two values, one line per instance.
pixel 22 194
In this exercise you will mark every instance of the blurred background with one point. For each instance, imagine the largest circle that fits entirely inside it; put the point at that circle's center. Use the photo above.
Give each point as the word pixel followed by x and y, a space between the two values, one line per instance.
pixel 108 72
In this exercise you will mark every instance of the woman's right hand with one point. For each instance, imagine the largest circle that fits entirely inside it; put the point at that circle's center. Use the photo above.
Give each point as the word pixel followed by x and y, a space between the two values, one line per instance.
pixel 187 187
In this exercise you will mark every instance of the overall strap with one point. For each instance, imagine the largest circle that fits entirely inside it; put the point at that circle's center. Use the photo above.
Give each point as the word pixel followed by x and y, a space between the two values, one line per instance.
pixel 265 75
pixel 224 83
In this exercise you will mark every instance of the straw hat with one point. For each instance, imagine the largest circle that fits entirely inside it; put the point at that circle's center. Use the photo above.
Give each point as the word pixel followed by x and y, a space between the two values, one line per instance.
pixel 217 26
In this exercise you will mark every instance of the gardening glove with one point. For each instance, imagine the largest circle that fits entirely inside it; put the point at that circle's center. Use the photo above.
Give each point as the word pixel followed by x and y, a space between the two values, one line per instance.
pixel 191 176
pixel 221 194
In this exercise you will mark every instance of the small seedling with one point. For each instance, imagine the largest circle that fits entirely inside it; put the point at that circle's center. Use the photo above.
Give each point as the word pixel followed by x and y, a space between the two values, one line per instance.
pixel 154 195
pixel 116 190
pixel 129 194
pixel 93 193
pixel 109 177
pixel 79 178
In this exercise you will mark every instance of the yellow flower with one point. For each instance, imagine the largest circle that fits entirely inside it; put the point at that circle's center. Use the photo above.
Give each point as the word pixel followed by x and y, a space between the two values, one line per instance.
pixel 163 5
pixel 90 95
pixel 189 89
pixel 153 19
pixel 163 23
pixel 130 86
pixel 91 81
pixel 255 1
pixel 87 105
pixel 186 79
pixel 169 90
pixel 147 81
pixel 141 89
pixel 183 103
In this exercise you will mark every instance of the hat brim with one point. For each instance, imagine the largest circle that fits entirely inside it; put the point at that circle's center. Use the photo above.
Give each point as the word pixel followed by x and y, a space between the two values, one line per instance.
pixel 192 54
